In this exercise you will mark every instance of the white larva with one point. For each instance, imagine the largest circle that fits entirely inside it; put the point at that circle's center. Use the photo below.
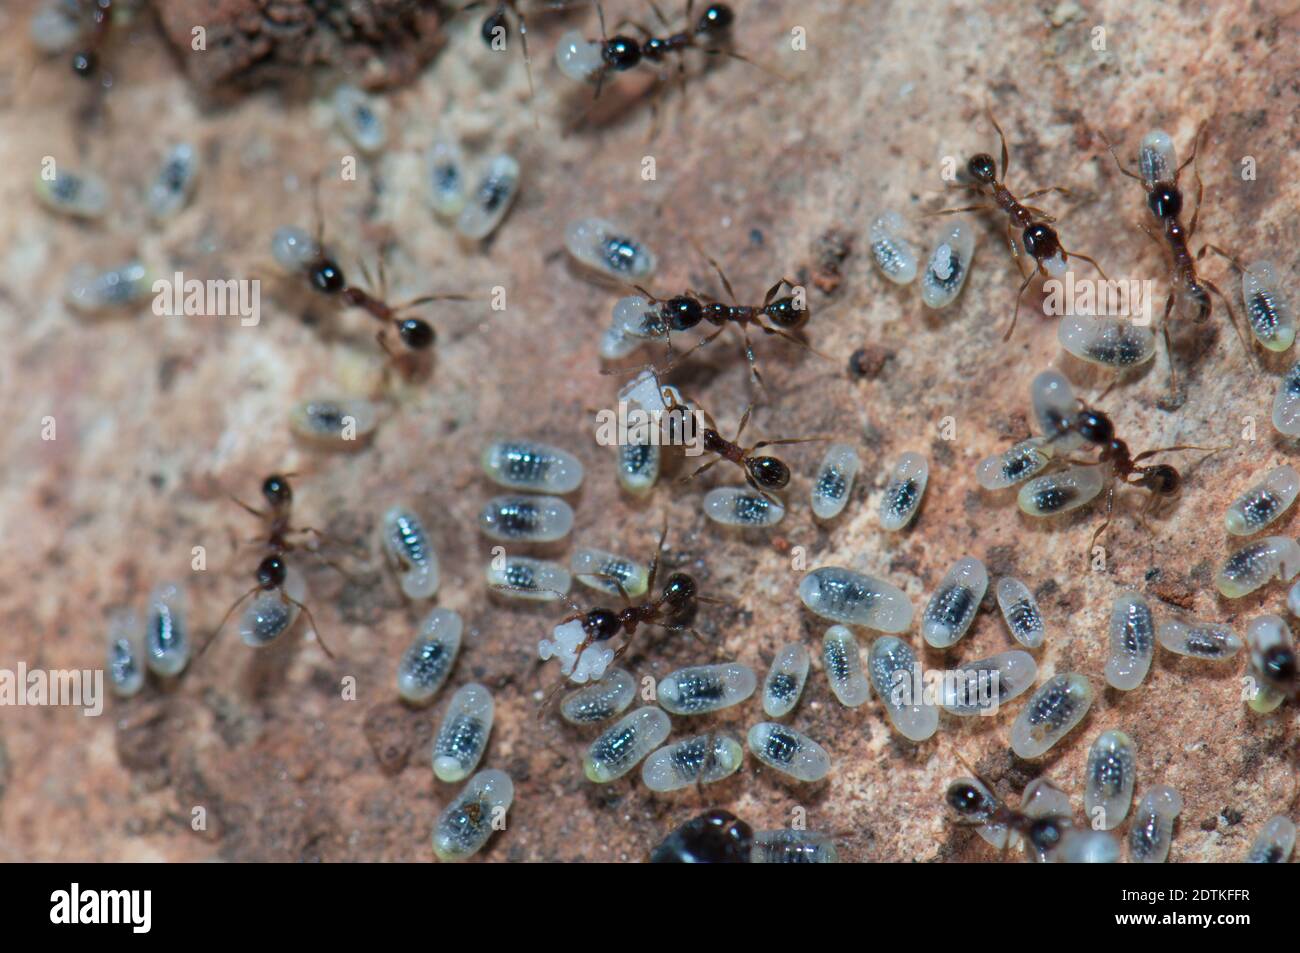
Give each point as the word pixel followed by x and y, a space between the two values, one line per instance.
pixel 1255 564
pixel 1109 342
pixel 741 506
pixel 358 119
pixel 893 254
pixel 1086 846
pixel 789 751
pixel 793 847
pixel 608 250
pixel 903 492
pixel 1268 312
pixel 833 481
pixel 523 577
pixel 334 423
pixel 565 643
pixel 1157 158
pixel 125 659
pixel 637 317
pixel 175 182
pixel 167 638
pixel 463 736
pixel 700 689
pixel 852 598
pixel 616 343
pixel 619 749
pixel 1152 830
pixel 579 58
pixel 1109 778
pixel 1264 502
pixel 407 546
pixel 1286 403
pixel 1020 611
pixel 600 700
pixel 293 249
pixel 953 606
pixel 270 614
pixel 981 687
pixel 703 759
pixel 428 660
pixel 1201 640
pixel 467 822
pixel 1274 843
pixel 948 265
pixel 531 466
pixel 896 676
pixel 1060 492
pixel 785 680
pixel 1132 641
pixel 638 467
pixel 526 519
pixel 1054 406
pixel 446 176
pixel 77 195
pixel 1057 706
pixel 843 666
pixel 1041 798
pixel 1272 651
pixel 56 26
pixel 606 572
pixel 491 199
pixel 91 290
pixel 1014 465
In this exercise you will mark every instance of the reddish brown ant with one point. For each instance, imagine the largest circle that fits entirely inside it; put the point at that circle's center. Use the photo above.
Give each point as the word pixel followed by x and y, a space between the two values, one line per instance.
pixel 272 572
pixel 1037 235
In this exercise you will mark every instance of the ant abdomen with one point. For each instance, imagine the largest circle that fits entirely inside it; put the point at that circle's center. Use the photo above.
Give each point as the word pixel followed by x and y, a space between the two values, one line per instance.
pixel 768 472
pixel 784 314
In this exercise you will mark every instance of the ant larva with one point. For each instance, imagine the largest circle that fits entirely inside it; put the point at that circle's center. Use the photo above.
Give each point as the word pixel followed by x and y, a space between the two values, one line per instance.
pixel 1037 236
pixel 1159 172
pixel 280 588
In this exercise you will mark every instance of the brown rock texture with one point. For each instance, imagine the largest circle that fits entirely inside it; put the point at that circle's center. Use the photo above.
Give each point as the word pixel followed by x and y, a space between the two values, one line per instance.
pixel 161 419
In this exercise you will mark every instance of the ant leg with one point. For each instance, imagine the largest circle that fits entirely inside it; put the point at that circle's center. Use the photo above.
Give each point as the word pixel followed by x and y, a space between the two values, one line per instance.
pixel 744 421
pixel 1200 196
pixel 1041 214
pixel 258 513
pixel 1110 509
pixel 1231 259
pixel 749 356
pixel 1196 148
pixel 1015 249
pixel 700 470
pixel 654 560
pixel 1120 165
pixel 611 578
pixel 1169 348
pixel 1006 155
pixel 224 619
pixel 785 442
pixel 772 291
pixel 793 340
pixel 1051 188
pixel 310 621
pixel 1181 446
pixel 1016 315
pixel 967 208
pixel 718 268
pixel 1232 318
pixel 1090 260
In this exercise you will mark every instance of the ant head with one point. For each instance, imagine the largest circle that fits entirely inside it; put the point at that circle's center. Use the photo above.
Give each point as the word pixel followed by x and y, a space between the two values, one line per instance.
pixel 1165 201
pixel 716 18
pixel 621 53
pixel 1162 479
pixel 768 472
pixel 679 592
pixel 783 313
pixel 84 63
pixel 327 277
pixel 1040 241
pixel 684 312
pixel 1094 426
pixel 1046 832
pixel 271 572
pixel 417 334
pixel 600 624
pixel 277 491
pixel 982 168
pixel 1279 665
pixel 493 23
pixel 966 799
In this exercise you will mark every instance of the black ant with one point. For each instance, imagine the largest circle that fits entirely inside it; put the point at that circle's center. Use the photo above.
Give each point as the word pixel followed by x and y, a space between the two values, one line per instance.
pixel 1037 235
pixel 976 805
pixel 272 572
pixel 85 61
pixel 1165 202
pixel 620 53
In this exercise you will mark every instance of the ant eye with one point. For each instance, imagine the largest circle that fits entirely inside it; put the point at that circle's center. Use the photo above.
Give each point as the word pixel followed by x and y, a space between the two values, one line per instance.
pixel 621 748
pixel 705 688
pixel 785 680
pixel 1021 612
pixel 416 334
pixel 789 751
pixel 608 250
pixel 894 254
pixel 945 271
pixel 703 759
pixel 902 496
pixel 1109 778
pixel 1110 342
pixel 427 662
pixel 895 673
pixel 1051 712
pixel 1256 563
pixel 1132 642
pixel 599 702
pixel 467 822
pixel 463 734
pixel 1152 830
pixel 843 667
pixel 952 608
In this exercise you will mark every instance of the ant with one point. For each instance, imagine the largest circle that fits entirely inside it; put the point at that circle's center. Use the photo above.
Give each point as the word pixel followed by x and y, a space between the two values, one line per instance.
pixel 496 27
pixel 85 61
pixel 1037 235
pixel 776 316
pixel 1159 177
pixel 975 803
pixel 620 53
pixel 273 571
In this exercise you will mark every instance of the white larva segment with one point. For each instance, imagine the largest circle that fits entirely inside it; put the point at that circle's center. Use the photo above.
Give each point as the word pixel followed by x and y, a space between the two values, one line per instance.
pixel 789 751
pixel 334 423
pixel 531 466
pixel 834 480
pixel 843 665
pixel 700 689
pixel 638 467
pixel 1021 613
pixel 270 614
pixel 1264 502
pixel 1256 563
pixel 620 748
pixel 428 660
pixel 292 248
pixel 1286 404
pixel 616 343
pixel 1274 843
pixel 1086 846
pixel 1157 158
pixel 894 254
pixel 564 644
pixel 358 119
pixel 77 195
pixel 526 519
pixel 785 680
pixel 1054 405
pixel 1014 465
pixel 948 265
pixel 740 506
pixel 903 492
pixel 1270 641
pixel 167 636
pixel 1109 342
pixel 577 57
pixel 1041 798
pixel 608 250
pixel 793 847
pixel 463 735
pixel 1201 640
pixel 91 290
pixel 637 317
pixel 467 822
pixel 445 165
pixel 1061 492
pixel 981 687
pixel 896 676
pixel 606 571
pixel 704 759
pixel 1152 830
pixel 645 391
pixel 56 26
pixel 407 546
pixel 1058 706
pixel 174 185
pixel 125 659
pixel 1108 780
pixel 523 577
pixel 952 608
pixel 1132 641
pixel 851 598
pixel 601 700
pixel 491 199
pixel 1267 311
